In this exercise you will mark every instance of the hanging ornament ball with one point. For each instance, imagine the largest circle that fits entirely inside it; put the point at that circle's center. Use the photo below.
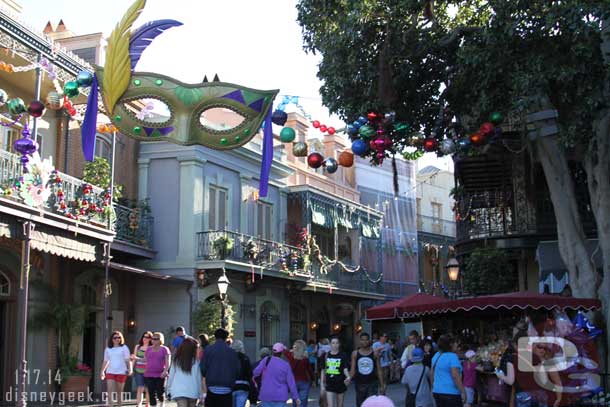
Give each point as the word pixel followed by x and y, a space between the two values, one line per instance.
pixel 359 147
pixel 356 125
pixel 315 124
pixel 71 89
pixel 3 97
pixel 331 165
pixel 16 106
pixel 331 130
pixel 299 149
pixel 315 160
pixel 447 146
pixel 464 143
pixel 36 108
pixel 477 139
pixel 402 128
pixel 287 135
pixel 352 130
pixel 279 117
pixel 372 117
pixel 323 128
pixel 346 159
pixel 487 129
pixel 362 120
pixel 390 117
pixel 55 100
pixel 430 144
pixel 496 118
pixel 25 146
pixel 366 131
pixel 84 79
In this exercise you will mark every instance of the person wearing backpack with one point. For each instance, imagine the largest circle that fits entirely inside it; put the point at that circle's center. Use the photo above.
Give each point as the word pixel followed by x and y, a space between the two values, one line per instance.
pixel 417 380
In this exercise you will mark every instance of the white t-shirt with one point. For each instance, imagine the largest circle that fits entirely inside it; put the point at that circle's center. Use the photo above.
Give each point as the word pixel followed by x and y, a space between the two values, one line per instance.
pixel 117 356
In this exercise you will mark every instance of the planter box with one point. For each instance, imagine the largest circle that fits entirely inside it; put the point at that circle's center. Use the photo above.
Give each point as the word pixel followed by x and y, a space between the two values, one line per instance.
pixel 75 385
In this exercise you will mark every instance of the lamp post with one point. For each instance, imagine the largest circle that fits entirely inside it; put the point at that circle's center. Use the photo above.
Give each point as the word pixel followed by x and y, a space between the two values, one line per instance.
pixel 453 271
pixel 223 286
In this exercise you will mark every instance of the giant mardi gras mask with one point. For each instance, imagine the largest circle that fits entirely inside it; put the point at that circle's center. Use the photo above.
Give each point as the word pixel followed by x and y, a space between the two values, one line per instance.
pixel 120 87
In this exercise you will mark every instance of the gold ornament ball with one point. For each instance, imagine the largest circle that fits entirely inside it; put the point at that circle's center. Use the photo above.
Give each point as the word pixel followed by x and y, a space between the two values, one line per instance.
pixel 55 100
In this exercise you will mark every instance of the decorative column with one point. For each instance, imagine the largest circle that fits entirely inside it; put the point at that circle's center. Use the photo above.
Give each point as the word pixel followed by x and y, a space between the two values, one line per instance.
pixel 283 215
pixel 191 207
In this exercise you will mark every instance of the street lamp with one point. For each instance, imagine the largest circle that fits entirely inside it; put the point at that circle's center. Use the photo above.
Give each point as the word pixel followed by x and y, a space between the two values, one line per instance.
pixel 223 286
pixel 453 271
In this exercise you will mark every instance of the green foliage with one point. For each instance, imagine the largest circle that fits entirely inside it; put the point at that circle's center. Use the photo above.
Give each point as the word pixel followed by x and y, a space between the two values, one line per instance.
pixel 488 271
pixel 473 57
pixel 69 321
pixel 207 316
pixel 222 245
pixel 98 173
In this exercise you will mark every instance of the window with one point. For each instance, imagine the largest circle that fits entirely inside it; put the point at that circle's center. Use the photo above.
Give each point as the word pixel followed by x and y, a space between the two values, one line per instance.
pixel 7 138
pixel 437 210
pixel 103 148
pixel 5 285
pixel 217 212
pixel 264 220
pixel 270 324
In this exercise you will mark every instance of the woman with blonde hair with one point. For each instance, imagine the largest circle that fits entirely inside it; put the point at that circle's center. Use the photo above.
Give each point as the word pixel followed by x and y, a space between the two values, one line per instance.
pixel 116 367
pixel 301 369
pixel 158 361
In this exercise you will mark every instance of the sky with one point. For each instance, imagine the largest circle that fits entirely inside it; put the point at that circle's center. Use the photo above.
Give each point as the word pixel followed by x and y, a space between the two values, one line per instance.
pixel 252 43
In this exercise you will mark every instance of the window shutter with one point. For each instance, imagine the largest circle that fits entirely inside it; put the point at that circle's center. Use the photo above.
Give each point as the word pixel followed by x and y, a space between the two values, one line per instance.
pixel 259 220
pixel 268 221
pixel 222 209
pixel 212 209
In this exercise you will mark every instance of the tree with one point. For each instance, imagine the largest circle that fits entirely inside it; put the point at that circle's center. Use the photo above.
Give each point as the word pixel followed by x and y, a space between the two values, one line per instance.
pixel 207 316
pixel 98 173
pixel 488 271
pixel 468 58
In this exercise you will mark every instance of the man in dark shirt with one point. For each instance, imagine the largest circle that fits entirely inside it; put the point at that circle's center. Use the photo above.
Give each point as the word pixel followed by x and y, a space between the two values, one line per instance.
pixel 220 368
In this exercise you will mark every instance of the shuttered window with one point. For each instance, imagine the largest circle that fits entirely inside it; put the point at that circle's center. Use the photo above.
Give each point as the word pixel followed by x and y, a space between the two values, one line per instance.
pixel 217 214
pixel 264 220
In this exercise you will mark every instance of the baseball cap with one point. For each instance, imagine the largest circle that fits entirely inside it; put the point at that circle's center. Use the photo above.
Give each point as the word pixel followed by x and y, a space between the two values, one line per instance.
pixel 378 401
pixel 278 347
pixel 417 355
pixel 469 354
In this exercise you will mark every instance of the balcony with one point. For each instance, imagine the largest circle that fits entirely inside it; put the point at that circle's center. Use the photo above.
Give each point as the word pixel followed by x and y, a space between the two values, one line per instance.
pixel 67 197
pixel 430 224
pixel 284 261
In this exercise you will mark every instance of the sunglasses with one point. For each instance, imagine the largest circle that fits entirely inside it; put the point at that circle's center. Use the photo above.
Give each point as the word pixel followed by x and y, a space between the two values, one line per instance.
pixel 156 339
pixel 148 337
pixel 116 337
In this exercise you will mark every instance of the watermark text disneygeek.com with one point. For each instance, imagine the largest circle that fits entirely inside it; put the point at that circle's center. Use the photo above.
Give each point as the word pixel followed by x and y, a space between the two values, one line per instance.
pixel 61 398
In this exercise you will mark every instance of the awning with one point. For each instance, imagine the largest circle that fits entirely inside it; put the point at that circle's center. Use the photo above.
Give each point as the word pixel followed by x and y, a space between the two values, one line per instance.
pixel 549 260
pixel 522 300
pixel 147 273
pixel 403 307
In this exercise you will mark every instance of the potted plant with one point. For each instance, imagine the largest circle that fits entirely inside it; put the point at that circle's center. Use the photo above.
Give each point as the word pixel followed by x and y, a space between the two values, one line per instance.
pixel 222 246
pixel 69 321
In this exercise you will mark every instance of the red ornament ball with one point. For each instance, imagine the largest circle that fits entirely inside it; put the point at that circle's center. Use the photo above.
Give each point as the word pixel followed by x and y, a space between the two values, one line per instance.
pixel 315 160
pixel 430 144
pixel 323 128
pixel 487 128
pixel 315 124
pixel 36 108
pixel 372 116
pixel 331 130
pixel 477 139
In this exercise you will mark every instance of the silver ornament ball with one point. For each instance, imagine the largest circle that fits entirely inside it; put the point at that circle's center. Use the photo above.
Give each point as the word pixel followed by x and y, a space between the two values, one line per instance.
pixel 331 165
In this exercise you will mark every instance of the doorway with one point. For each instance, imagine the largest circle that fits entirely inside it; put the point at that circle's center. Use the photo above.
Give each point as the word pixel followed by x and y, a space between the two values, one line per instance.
pixel 2 343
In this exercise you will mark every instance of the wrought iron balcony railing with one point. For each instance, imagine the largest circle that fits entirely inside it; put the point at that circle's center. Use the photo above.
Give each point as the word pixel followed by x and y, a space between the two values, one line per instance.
pixel 132 225
pixel 293 262
pixel 438 226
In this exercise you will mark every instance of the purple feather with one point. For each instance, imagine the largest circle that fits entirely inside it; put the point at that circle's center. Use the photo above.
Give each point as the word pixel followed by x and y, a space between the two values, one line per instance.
pixel 142 37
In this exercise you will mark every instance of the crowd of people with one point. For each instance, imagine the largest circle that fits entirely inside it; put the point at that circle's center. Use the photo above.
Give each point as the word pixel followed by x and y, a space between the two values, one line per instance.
pixel 220 374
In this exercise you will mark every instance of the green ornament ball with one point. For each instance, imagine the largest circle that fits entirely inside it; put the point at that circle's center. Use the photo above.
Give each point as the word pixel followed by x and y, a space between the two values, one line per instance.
pixel 287 135
pixel 402 128
pixel 16 106
pixel 367 131
pixel 496 118
pixel 71 89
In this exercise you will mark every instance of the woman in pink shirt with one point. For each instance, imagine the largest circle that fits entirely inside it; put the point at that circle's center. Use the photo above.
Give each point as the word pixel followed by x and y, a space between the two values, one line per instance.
pixel 157 367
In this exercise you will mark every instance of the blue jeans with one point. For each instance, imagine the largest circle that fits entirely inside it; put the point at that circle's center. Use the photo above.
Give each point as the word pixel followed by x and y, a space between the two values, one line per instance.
pixel 303 390
pixel 239 398
pixel 273 404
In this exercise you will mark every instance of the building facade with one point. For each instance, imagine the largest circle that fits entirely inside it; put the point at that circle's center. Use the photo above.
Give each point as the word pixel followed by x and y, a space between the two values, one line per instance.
pixel 435 227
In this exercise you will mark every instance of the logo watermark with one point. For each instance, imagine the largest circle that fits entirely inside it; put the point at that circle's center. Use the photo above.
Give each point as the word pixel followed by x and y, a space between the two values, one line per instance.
pixel 64 398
